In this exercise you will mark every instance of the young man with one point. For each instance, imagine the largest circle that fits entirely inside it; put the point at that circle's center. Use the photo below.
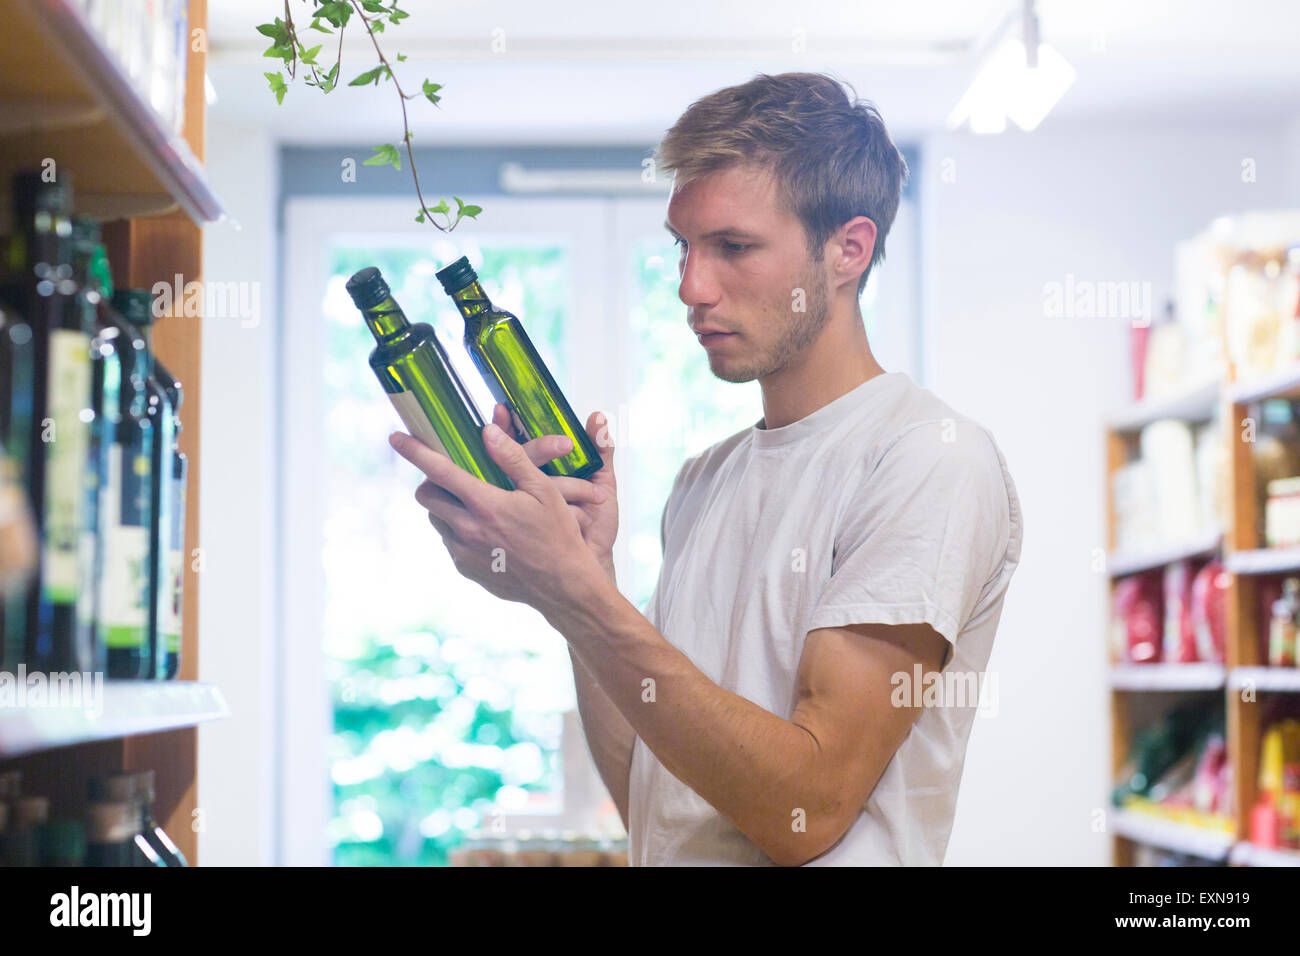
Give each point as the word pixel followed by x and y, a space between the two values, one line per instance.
pixel 861 534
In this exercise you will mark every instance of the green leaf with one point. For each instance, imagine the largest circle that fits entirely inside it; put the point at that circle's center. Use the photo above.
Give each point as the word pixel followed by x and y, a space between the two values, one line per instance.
pixel 464 210
pixel 419 217
pixel 277 31
pixel 278 86
pixel 317 25
pixel 385 155
pixel 430 91
pixel 401 58
pixel 336 12
pixel 331 78
pixel 373 6
pixel 309 56
pixel 370 76
pixel 441 207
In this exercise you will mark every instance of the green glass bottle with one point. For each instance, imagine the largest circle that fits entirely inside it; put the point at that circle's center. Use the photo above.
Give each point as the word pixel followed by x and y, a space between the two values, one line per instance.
pixel 58 619
pixel 421 382
pixel 516 374
pixel 135 306
pixel 124 588
pixel 106 404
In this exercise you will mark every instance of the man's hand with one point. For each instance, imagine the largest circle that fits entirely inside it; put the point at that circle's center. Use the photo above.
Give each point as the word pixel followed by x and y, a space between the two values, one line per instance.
pixel 524 545
pixel 598 519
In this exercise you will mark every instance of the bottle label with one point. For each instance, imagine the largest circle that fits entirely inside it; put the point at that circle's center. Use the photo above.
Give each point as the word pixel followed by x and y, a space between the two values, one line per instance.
pixel 124 583
pixel 416 422
pixel 66 474
pixel 171 622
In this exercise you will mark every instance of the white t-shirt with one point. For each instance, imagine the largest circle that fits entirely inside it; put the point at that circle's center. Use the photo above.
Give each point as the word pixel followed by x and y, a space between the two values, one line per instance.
pixel 884 506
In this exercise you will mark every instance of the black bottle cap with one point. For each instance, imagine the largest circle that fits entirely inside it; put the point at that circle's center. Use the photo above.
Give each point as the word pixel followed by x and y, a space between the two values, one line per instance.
pixel 135 305
pixel 368 288
pixel 457 275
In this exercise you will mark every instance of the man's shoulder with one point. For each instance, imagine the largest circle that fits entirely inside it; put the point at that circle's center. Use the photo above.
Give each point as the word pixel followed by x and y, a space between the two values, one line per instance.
pixel 706 463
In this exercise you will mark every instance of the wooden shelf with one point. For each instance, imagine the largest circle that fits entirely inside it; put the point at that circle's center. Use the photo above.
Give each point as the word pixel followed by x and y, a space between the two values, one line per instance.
pixel 64 96
pixel 1138 677
pixel 1282 383
pixel 1196 404
pixel 1247 854
pixel 1184 838
pixel 126 708
pixel 1120 563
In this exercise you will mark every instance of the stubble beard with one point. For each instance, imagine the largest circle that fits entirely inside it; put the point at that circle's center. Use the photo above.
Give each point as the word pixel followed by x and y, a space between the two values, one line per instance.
pixel 799 330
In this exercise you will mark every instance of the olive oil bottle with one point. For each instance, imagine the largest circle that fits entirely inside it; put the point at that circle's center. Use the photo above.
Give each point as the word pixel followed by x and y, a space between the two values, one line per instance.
pixel 421 382
pixel 516 374
pixel 57 617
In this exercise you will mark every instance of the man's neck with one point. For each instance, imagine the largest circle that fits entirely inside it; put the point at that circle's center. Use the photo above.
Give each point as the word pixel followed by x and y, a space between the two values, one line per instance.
pixel 837 362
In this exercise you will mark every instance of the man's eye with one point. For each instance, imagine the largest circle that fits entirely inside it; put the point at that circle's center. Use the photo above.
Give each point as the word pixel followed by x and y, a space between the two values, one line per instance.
pixel 679 241
pixel 734 246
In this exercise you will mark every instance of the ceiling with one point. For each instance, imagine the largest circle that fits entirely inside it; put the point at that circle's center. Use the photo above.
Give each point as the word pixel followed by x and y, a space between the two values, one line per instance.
pixel 589 71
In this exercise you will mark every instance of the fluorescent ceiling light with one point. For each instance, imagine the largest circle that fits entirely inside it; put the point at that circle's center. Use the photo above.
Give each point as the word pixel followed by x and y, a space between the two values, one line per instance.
pixel 1010 84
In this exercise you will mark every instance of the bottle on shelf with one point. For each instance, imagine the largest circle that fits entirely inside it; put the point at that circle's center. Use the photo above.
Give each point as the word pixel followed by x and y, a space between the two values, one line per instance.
pixel 176 474
pixel 136 308
pixel 125 588
pixel 21 844
pixel 57 417
pixel 113 837
pixel 1282 625
pixel 106 401
pixel 64 843
pixel 420 381
pixel 516 374
pixel 137 789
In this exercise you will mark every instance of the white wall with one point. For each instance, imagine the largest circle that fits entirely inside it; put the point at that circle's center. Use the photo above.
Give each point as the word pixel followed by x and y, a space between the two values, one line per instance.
pixel 237 646
pixel 1105 203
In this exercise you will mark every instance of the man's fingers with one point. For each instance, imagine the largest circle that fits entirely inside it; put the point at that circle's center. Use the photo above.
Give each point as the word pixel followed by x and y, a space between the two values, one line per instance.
pixel 579 491
pixel 443 506
pixel 474 493
pixel 600 432
pixel 514 461
pixel 501 416
pixel 584 519
pixel 539 450
pixel 548 448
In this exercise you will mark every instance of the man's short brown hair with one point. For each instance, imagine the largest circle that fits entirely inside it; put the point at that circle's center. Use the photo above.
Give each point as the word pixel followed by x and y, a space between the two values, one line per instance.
pixel 831 154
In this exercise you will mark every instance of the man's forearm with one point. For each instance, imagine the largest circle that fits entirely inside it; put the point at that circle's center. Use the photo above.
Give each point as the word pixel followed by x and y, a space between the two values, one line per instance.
pixel 609 736
pixel 755 768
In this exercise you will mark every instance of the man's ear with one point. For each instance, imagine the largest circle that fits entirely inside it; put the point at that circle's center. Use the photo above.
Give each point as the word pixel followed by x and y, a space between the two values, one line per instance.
pixel 857 244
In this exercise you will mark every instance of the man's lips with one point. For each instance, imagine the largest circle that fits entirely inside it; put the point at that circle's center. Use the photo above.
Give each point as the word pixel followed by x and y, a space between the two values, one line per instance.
pixel 709 338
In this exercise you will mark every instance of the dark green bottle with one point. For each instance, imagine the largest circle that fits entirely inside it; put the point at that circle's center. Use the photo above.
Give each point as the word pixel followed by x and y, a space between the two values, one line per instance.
pixel 421 382
pixel 516 374
pixel 58 619
pixel 106 404
pixel 124 592
pixel 136 308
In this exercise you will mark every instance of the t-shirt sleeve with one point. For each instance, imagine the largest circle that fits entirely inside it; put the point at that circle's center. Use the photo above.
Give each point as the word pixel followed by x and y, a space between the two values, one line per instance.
pixel 924 533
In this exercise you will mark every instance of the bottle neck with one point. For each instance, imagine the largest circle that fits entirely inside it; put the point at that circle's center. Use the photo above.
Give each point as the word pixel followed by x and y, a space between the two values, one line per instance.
pixel 472 301
pixel 385 320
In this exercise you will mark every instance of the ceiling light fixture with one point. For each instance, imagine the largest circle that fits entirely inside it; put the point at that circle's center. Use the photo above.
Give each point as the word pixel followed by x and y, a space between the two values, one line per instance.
pixel 1019 78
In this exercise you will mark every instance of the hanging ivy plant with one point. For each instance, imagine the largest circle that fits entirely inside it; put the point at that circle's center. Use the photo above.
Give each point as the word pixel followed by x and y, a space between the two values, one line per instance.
pixel 334 16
